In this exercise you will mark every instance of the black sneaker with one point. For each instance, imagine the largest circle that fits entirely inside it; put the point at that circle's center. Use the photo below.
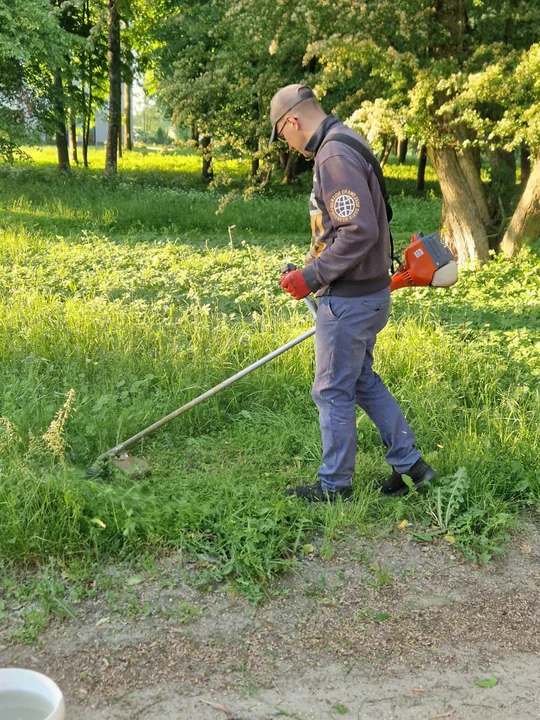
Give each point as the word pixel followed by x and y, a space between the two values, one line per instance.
pixel 316 493
pixel 420 473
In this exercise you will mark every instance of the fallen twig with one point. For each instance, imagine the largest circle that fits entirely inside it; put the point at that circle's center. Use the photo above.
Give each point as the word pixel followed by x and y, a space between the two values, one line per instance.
pixel 216 706
pixel 492 707
pixel 224 709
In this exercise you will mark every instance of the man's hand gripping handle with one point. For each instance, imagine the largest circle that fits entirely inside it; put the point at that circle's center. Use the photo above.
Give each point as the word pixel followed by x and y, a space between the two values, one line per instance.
pixel 293 282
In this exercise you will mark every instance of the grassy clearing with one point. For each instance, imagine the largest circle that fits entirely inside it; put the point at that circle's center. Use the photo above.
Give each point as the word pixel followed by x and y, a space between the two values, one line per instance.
pixel 145 199
pixel 132 294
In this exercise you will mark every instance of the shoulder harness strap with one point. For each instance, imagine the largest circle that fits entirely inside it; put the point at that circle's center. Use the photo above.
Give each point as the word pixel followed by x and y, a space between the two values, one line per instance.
pixel 370 158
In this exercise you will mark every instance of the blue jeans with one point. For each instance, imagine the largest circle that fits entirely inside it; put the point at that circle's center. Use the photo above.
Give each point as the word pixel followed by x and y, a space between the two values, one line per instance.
pixel 346 331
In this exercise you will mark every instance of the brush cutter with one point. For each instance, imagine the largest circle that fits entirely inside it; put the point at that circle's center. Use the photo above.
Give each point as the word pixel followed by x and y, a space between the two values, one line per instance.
pixel 137 467
pixel 427 261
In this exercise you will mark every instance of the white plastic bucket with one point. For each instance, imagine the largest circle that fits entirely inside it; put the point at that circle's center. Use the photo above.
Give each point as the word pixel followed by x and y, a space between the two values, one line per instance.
pixel 29 695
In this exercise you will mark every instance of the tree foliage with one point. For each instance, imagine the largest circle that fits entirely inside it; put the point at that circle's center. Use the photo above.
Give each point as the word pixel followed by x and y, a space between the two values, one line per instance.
pixel 31 48
pixel 459 77
pixel 438 72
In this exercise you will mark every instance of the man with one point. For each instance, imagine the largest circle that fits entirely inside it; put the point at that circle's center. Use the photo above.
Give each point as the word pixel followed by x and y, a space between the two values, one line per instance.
pixel 348 268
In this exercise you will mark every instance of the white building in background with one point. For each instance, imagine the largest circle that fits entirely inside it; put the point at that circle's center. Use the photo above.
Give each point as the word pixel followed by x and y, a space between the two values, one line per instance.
pixel 98 133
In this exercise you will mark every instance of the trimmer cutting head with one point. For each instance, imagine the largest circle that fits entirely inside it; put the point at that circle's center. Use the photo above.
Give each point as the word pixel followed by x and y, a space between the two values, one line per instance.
pixel 427 261
pixel 134 467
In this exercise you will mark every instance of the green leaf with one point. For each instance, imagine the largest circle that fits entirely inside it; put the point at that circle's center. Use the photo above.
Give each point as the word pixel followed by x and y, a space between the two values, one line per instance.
pixel 134 580
pixel 423 536
pixel 487 682
pixel 341 709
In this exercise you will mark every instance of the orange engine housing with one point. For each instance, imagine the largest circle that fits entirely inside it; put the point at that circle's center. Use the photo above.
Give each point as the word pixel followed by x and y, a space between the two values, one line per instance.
pixel 422 258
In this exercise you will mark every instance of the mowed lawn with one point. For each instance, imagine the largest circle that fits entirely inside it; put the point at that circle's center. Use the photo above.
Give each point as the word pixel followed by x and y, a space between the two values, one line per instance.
pixel 123 299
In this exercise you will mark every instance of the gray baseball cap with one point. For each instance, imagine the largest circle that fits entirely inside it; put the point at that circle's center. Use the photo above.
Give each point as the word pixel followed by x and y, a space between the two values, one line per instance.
pixel 283 101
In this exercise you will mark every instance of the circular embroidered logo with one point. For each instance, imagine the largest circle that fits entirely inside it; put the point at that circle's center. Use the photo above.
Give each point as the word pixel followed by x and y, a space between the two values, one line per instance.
pixel 344 205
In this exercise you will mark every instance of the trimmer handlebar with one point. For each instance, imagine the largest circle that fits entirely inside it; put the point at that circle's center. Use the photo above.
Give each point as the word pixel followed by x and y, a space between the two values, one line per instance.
pixel 310 302
pixel 287 268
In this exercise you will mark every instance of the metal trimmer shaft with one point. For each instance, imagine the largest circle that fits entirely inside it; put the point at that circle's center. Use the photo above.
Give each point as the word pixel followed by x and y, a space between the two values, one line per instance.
pixel 310 302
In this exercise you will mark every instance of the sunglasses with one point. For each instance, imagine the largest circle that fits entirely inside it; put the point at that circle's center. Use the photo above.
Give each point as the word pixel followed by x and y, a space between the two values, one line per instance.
pixel 280 135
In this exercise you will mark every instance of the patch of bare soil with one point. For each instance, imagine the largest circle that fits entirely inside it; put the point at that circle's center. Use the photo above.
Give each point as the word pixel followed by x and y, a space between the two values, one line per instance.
pixel 388 629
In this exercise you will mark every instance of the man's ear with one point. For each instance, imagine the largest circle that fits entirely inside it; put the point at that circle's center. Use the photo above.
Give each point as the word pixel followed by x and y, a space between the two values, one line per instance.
pixel 292 120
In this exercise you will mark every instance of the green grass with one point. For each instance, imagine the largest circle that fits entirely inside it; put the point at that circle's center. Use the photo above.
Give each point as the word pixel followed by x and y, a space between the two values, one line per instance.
pixel 163 195
pixel 134 294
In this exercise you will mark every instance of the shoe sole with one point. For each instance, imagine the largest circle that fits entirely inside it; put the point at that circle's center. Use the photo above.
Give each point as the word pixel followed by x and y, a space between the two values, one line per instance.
pixel 428 477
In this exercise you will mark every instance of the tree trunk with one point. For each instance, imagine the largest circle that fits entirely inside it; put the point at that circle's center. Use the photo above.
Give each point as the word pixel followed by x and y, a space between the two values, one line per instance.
pixel 73 125
pixel 194 133
pixel 296 164
pixel 465 210
pixel 402 151
pixel 465 223
pixel 525 158
pixel 127 115
pixel 128 95
pixel 264 177
pixel 252 145
pixel 60 121
pixel 501 190
pixel 207 171
pixel 386 152
pixel 421 174
pixel 73 139
pixel 503 175
pixel 86 139
pixel 288 172
pixel 525 224
pixel 113 60
pixel 86 99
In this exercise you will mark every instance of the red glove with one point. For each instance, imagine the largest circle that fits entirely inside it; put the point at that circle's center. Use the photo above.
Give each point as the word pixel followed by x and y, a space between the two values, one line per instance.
pixel 293 283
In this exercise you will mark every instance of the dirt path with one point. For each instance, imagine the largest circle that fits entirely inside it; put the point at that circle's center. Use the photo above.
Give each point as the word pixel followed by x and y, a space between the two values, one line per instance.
pixel 390 629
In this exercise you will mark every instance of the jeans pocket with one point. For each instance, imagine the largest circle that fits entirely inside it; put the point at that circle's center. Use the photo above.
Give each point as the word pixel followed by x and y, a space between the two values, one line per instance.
pixel 338 306
pixel 376 306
